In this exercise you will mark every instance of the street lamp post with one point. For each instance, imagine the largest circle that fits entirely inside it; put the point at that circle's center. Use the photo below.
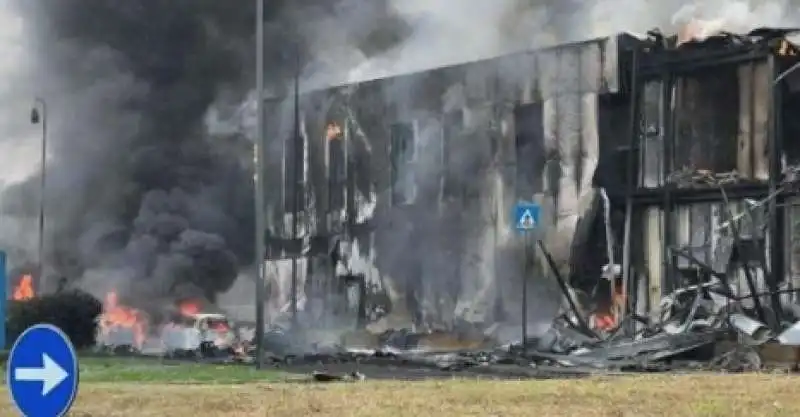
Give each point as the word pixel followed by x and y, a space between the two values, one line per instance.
pixel 258 156
pixel 39 116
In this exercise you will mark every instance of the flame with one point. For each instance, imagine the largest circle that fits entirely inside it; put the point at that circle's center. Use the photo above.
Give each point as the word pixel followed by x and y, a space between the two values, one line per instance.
pixel 607 317
pixel 221 332
pixel 699 30
pixel 24 289
pixel 220 327
pixel 604 321
pixel 333 131
pixel 189 307
pixel 116 316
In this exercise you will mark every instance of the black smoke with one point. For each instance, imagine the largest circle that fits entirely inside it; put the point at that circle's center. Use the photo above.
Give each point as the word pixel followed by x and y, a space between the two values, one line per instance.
pixel 139 195
pixel 159 199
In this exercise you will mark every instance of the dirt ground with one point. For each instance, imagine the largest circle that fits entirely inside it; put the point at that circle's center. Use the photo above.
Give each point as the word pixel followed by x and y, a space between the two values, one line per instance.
pixel 641 396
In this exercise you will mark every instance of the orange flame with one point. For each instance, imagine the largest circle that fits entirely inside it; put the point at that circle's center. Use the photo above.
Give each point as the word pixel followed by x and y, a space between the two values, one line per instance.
pixel 333 131
pixel 220 327
pixel 116 316
pixel 606 318
pixel 698 30
pixel 24 289
pixel 604 321
pixel 189 307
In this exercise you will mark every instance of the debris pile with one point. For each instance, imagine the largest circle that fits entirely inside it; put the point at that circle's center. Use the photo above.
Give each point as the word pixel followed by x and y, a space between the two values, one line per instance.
pixel 718 317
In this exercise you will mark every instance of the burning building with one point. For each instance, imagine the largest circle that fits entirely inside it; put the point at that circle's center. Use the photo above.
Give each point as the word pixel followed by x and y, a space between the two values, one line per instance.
pixel 659 162
pixel 412 179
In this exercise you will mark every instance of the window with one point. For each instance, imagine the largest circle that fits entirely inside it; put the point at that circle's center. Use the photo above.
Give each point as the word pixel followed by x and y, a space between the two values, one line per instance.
pixel 651 150
pixel 700 112
pixel 402 151
pixel 294 190
pixel 530 152
pixel 337 167
pixel 706 121
pixel 452 130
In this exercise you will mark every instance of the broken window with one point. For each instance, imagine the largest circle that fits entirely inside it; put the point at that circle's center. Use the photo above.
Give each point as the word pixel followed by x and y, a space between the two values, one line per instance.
pixel 403 152
pixel 706 121
pixel 529 142
pixel 697 232
pixel 614 132
pixel 651 135
pixel 704 125
pixel 293 175
pixel 337 166
pixel 452 131
pixel 705 231
pixel 793 242
pixel 791 125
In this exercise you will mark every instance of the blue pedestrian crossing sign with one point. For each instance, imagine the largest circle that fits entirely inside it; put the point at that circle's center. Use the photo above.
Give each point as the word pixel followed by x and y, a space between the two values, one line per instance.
pixel 526 216
pixel 42 372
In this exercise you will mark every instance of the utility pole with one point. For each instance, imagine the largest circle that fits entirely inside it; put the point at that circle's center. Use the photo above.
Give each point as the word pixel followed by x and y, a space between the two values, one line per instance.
pixel 258 180
pixel 39 116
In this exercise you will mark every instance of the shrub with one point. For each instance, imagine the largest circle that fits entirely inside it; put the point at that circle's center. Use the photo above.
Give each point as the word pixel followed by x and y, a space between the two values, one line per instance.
pixel 74 312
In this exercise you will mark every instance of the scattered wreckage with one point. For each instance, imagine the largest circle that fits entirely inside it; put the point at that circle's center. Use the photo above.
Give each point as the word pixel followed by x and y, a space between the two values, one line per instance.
pixel 709 324
pixel 695 322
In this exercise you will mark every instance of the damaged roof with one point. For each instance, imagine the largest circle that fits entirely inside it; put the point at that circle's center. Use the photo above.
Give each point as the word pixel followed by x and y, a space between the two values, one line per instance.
pixel 780 40
pixel 697 46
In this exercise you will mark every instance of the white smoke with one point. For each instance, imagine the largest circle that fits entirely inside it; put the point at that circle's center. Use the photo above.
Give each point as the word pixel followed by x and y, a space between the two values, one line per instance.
pixel 19 140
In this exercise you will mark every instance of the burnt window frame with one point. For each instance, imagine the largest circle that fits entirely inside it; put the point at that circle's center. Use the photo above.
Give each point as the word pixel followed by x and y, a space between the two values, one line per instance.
pixel 337 165
pixel 406 196
pixel 530 160
pixel 450 178
pixel 294 148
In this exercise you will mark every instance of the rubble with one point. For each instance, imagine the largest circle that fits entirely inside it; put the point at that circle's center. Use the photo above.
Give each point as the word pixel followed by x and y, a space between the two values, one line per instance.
pixel 683 331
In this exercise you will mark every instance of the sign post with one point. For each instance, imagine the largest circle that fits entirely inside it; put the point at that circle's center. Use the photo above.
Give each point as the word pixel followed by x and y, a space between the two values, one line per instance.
pixel 526 220
pixel 42 372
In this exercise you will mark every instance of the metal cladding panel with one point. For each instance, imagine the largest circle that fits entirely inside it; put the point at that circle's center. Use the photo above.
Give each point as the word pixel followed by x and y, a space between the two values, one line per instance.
pixel 570 80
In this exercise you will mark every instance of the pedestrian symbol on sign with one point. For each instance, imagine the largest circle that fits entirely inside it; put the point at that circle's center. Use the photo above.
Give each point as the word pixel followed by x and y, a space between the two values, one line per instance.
pixel 526 216
pixel 527 221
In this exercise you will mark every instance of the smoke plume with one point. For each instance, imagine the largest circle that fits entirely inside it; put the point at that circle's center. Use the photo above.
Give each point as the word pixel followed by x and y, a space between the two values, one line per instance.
pixel 139 197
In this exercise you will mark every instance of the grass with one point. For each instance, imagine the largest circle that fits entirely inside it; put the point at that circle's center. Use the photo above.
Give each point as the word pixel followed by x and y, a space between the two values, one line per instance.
pixel 753 395
pixel 148 371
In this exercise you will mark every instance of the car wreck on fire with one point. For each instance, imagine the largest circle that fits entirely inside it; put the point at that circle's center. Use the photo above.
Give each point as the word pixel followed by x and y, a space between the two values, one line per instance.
pixel 181 331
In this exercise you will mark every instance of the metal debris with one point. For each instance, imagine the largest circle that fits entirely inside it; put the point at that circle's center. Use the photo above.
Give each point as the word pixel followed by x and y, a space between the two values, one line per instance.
pixel 321 376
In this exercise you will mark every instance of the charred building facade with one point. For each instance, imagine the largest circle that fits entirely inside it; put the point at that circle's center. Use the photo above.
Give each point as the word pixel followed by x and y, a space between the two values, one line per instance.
pixel 709 169
pixel 657 162
pixel 416 177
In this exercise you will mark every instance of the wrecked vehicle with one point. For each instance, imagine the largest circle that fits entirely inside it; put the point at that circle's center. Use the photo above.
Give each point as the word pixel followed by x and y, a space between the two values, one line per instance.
pixel 120 328
pixel 198 335
pixel 181 331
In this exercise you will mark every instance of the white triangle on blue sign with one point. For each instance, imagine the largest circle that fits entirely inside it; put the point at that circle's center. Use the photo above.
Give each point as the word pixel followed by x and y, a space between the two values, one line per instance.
pixel 526 221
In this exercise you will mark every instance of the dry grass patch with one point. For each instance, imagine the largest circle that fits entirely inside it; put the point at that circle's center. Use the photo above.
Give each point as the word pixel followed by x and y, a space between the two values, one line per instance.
pixel 693 395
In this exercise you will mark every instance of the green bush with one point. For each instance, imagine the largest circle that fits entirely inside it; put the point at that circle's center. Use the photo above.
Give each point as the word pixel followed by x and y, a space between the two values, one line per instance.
pixel 74 312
